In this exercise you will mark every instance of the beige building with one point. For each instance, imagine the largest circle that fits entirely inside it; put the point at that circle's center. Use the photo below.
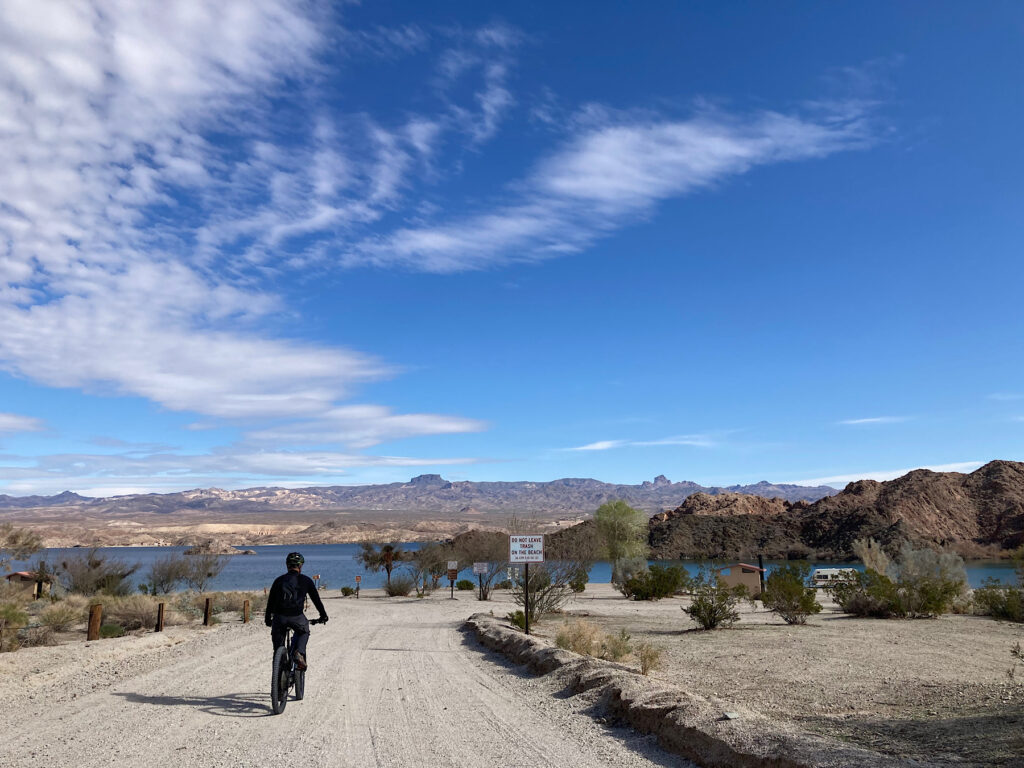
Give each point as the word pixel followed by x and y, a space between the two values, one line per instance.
pixel 741 574
pixel 28 583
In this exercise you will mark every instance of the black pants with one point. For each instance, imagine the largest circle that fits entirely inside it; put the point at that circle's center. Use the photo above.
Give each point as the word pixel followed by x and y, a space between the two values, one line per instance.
pixel 297 623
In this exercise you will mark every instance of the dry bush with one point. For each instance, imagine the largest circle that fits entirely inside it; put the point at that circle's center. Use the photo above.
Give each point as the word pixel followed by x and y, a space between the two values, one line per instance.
pixel 62 616
pixel 35 636
pixel 872 555
pixel 649 656
pixel 579 637
pixel 400 585
pixel 616 647
pixel 12 618
pixel 12 593
pixel 131 612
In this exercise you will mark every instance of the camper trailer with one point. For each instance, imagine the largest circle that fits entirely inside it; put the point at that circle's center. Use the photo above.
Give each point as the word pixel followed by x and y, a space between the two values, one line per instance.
pixel 826 577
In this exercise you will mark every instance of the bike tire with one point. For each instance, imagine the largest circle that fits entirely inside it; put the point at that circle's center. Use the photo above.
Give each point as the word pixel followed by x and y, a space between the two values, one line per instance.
pixel 300 684
pixel 279 681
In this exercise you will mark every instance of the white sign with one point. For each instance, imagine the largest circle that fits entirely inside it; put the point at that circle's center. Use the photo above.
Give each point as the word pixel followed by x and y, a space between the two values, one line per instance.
pixel 480 568
pixel 453 565
pixel 526 549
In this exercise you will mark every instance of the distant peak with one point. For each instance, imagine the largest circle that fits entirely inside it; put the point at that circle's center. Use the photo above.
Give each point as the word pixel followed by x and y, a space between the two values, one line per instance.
pixel 661 480
pixel 428 480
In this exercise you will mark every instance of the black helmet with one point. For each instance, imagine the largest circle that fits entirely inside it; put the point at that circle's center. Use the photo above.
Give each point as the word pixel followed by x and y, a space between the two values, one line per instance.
pixel 294 559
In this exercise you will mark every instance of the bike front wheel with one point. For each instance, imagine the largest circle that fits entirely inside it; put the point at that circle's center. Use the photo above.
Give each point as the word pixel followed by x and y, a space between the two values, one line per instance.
pixel 279 681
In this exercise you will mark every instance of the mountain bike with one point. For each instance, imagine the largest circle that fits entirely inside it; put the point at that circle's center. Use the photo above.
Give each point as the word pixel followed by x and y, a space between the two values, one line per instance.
pixel 284 674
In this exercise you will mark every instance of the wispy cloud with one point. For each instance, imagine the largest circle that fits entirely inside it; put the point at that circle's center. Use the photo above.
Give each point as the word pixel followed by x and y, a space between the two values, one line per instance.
pixel 888 474
pixel 612 171
pixel 11 423
pixel 874 420
pixel 698 441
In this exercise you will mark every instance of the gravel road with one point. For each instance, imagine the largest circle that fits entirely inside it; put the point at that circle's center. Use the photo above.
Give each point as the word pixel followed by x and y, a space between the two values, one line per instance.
pixel 391 683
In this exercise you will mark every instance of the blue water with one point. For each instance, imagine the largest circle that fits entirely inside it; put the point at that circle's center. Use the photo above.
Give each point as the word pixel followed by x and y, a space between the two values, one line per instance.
pixel 337 567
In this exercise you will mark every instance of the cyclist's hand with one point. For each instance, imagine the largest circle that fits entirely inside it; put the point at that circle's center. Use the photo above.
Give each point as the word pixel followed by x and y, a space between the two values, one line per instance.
pixel 268 621
pixel 323 619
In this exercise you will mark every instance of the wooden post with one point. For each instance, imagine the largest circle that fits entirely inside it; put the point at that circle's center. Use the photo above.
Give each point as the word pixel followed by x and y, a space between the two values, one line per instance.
pixel 245 612
pixel 95 619
pixel 208 612
pixel 160 617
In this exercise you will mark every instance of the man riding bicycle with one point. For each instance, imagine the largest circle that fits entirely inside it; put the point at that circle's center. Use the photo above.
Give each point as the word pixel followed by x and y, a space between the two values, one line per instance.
pixel 285 606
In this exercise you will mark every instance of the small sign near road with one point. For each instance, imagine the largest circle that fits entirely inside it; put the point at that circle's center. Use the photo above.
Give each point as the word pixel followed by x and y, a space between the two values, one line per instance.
pixel 526 549
pixel 453 565
pixel 480 568
pixel 358 579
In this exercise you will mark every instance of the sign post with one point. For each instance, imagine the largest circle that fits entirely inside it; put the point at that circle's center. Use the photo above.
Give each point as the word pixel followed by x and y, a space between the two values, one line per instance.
pixel 453 573
pixel 526 550
pixel 480 569
pixel 358 580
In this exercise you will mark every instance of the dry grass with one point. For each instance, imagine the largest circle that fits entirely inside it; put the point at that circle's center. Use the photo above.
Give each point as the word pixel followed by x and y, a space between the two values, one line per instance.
pixel 649 656
pixel 579 637
pixel 62 616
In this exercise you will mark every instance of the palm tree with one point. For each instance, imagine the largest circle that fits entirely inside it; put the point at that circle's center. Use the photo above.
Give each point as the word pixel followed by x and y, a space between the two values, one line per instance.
pixel 374 557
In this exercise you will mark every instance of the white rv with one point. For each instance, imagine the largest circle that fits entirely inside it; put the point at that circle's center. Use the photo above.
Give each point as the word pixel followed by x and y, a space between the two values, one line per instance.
pixel 826 577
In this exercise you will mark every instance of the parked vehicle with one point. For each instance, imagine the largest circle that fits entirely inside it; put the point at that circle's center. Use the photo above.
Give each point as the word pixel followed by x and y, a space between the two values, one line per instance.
pixel 825 577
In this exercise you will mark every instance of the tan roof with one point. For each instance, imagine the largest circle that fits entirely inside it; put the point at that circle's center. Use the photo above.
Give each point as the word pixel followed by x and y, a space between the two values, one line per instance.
pixel 23 574
pixel 741 565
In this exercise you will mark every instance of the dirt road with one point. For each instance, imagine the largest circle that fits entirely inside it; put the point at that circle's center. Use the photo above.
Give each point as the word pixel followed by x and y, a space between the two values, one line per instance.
pixel 391 683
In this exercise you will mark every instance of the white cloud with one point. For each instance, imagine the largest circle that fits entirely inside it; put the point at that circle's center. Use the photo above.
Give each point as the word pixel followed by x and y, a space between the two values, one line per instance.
pixel 874 420
pixel 12 422
pixel 606 176
pixel 698 441
pixel 889 474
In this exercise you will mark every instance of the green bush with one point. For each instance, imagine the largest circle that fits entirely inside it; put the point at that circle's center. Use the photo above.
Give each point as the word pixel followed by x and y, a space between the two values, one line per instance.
pixel 12 618
pixel 656 582
pixel 518 619
pixel 649 657
pixel 108 631
pixel 1000 601
pixel 399 586
pixel 867 593
pixel 616 647
pixel 578 582
pixel 787 593
pixel 506 584
pixel 464 585
pixel 714 604
pixel 347 591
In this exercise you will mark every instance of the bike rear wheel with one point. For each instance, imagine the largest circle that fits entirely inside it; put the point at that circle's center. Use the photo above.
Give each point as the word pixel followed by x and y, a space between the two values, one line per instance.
pixel 300 684
pixel 279 680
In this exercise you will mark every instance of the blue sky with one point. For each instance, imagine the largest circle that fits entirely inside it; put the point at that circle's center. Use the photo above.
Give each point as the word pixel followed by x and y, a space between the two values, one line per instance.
pixel 257 242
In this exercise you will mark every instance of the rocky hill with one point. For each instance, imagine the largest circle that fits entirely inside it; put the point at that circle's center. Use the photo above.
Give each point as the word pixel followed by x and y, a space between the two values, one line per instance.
pixel 978 513
pixel 422 494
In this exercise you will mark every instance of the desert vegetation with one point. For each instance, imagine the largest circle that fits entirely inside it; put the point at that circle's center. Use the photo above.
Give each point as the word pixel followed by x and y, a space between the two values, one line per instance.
pixel 789 594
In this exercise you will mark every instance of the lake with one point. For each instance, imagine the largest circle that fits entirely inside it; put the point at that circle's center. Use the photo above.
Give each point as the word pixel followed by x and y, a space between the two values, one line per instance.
pixel 337 567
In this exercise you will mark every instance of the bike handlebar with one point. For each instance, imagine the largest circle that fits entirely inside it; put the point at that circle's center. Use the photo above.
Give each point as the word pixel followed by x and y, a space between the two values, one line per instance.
pixel 318 621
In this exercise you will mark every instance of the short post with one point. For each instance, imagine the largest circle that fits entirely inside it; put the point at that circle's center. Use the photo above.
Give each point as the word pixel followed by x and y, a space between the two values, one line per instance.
pixel 208 612
pixel 480 581
pixel 453 574
pixel 160 617
pixel 245 612
pixel 95 619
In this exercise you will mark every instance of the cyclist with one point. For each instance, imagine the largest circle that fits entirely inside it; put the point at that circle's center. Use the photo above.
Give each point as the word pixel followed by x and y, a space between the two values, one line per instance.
pixel 285 606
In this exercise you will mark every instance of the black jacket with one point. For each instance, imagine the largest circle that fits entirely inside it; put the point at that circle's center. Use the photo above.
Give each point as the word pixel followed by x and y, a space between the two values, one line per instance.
pixel 288 596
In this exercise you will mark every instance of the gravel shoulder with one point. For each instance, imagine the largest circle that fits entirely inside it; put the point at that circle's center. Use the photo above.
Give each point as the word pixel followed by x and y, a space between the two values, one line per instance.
pixel 391 682
pixel 933 690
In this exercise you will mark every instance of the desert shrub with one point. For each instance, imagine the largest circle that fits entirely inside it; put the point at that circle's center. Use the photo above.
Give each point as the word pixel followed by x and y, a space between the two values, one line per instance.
pixel 464 585
pixel 578 636
pixel 867 593
pixel 625 571
pixel 578 581
pixel 872 555
pixel 517 619
pixel 400 585
pixel 506 584
pixel 656 582
pixel 166 574
pixel 60 617
pixel 787 593
pixel 714 604
pixel 347 591
pixel 108 631
pixel 131 612
pixel 928 581
pixel 649 656
pixel 1000 601
pixel 12 618
pixel 93 573
pixel 616 647
pixel 36 636
pixel 199 570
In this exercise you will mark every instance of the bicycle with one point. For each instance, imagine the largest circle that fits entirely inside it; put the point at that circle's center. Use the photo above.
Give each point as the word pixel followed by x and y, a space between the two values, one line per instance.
pixel 284 674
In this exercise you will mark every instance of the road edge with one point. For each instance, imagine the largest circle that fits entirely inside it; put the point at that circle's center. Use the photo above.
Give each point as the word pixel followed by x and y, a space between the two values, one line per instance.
pixel 691 726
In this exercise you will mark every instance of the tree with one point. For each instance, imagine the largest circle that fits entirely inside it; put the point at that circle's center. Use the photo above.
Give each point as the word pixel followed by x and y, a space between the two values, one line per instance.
pixel 376 557
pixel 17 544
pixel 92 572
pixel 788 594
pixel 199 570
pixel 426 564
pixel 166 573
pixel 622 531
pixel 490 547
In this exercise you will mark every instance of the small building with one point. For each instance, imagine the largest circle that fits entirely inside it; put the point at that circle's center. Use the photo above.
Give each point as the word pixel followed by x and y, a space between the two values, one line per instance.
pixel 741 574
pixel 29 583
